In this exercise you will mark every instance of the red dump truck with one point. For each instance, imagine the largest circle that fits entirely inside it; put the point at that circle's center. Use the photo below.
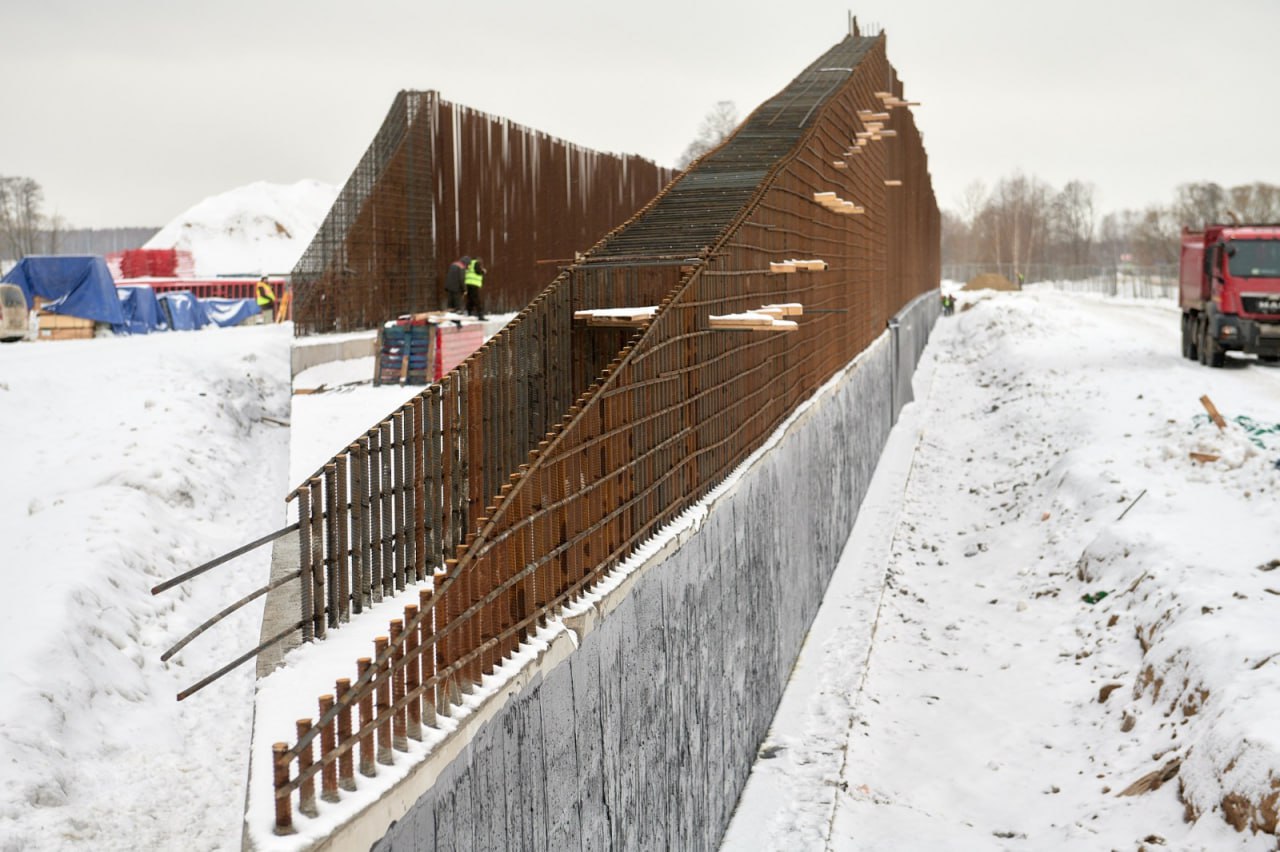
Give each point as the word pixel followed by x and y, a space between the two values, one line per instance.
pixel 1229 292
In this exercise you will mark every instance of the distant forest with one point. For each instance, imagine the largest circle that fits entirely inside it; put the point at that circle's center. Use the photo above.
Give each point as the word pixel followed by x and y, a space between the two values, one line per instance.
pixel 25 229
pixel 99 240
pixel 1024 225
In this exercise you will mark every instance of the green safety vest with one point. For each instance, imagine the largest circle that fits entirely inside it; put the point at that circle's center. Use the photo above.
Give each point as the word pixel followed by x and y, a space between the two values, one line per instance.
pixel 473 278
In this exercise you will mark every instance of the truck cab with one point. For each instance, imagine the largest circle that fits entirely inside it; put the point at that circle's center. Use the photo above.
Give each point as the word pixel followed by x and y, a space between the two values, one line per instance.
pixel 1229 292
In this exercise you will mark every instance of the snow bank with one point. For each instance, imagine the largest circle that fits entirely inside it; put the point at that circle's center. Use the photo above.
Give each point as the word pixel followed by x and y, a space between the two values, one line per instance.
pixel 1073 608
pixel 130 460
pixel 262 228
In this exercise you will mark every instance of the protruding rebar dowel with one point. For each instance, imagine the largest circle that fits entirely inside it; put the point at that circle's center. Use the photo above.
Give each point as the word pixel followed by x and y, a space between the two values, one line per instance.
pixel 444 648
pixel 399 737
pixel 284 805
pixel 412 671
pixel 306 789
pixel 328 744
pixel 383 698
pixel 427 656
pixel 346 761
pixel 367 762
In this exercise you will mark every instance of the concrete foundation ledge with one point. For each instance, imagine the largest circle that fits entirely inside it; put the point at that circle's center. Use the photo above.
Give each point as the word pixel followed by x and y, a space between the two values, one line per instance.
pixel 310 352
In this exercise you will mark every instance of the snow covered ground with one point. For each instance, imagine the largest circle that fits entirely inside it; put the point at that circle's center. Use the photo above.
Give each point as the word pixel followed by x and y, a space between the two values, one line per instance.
pixel 1073 608
pixel 126 461
pixel 1041 418
pixel 262 228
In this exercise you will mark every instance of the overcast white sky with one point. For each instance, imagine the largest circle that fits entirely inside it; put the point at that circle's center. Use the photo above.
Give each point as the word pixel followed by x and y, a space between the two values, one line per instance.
pixel 131 111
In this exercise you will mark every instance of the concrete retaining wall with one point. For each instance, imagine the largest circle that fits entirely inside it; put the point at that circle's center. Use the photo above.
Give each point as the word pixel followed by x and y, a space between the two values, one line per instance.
pixel 643 737
pixel 307 354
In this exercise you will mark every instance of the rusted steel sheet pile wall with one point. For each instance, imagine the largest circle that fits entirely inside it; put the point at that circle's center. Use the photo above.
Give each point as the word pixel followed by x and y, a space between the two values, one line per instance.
pixel 557 449
pixel 441 180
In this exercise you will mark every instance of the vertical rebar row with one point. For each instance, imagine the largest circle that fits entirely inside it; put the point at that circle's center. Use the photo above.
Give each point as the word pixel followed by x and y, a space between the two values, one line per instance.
pixel 408 490
pixel 420 480
pixel 368 762
pixel 399 712
pixel 317 560
pixel 448 447
pixel 331 542
pixel 307 787
pixel 443 645
pixel 343 555
pixel 304 561
pixel 360 523
pixel 400 482
pixel 387 509
pixel 382 696
pixel 284 804
pixel 427 653
pixel 328 745
pixel 462 458
pixel 434 485
pixel 412 672
pixel 346 771
pixel 376 568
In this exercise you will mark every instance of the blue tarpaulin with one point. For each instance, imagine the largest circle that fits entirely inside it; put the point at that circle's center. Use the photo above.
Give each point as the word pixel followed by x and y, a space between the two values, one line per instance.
pixel 228 312
pixel 75 285
pixel 142 313
pixel 184 311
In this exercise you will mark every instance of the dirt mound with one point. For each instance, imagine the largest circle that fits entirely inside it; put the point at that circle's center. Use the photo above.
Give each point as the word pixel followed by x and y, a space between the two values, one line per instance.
pixel 989 281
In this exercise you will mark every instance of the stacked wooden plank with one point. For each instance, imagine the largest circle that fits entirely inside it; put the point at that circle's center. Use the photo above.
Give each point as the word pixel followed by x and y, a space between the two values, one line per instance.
pixel 617 317
pixel 59 327
pixel 786 267
pixel 764 318
pixel 836 204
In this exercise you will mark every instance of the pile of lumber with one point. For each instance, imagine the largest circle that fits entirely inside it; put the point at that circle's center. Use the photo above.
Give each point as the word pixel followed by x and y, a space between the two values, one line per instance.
pixel 617 317
pixel 764 318
pixel 788 266
pixel 836 204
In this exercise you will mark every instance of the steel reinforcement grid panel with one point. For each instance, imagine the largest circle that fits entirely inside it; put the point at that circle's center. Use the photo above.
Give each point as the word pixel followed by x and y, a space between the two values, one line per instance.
pixel 440 181
pixel 552 453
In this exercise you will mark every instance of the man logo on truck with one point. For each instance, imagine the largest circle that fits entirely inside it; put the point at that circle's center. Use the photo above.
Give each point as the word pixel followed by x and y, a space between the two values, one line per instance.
pixel 1229 292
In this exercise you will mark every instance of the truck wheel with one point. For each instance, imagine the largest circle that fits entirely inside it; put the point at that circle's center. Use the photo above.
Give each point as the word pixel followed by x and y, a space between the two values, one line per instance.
pixel 1211 354
pixel 1188 339
pixel 1198 334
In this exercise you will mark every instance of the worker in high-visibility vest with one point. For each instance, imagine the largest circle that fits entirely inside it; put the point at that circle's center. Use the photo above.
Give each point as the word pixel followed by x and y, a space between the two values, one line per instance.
pixel 453 287
pixel 474 279
pixel 266 299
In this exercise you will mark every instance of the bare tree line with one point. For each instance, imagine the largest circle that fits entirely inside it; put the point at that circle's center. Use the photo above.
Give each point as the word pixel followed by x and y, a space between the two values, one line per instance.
pixel 1023 223
pixel 25 229
pixel 717 125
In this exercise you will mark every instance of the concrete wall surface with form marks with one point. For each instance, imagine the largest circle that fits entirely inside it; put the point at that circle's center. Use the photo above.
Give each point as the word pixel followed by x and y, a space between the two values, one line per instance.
pixel 643 737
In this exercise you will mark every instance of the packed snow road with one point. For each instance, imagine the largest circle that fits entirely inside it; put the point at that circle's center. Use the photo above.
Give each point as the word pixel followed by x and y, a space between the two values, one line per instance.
pixel 1052 628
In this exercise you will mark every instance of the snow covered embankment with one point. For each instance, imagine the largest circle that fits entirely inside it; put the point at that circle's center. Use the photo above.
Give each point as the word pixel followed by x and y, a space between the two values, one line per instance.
pixel 1197 585
pixel 1174 591
pixel 137 458
pixel 1072 608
